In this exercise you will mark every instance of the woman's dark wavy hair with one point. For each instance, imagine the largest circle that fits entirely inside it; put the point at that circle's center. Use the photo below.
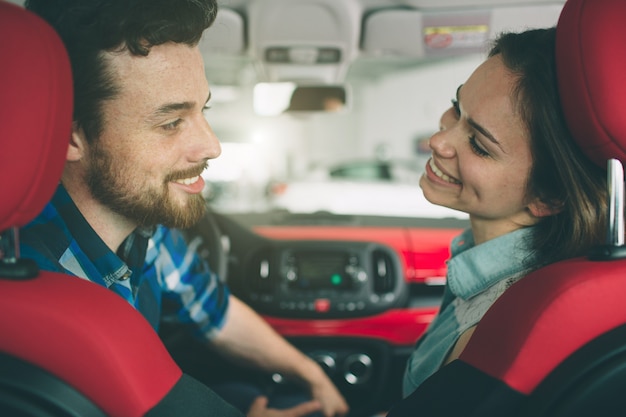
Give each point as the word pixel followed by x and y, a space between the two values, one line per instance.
pixel 561 175
pixel 90 27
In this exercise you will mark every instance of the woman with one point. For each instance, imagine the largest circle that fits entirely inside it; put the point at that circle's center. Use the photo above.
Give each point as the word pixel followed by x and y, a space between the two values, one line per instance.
pixel 504 155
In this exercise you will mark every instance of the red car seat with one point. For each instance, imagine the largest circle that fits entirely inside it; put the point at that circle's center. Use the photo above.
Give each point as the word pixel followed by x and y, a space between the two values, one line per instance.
pixel 68 347
pixel 554 344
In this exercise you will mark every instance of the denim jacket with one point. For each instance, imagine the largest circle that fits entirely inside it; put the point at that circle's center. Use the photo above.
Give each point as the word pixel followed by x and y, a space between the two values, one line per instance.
pixel 477 276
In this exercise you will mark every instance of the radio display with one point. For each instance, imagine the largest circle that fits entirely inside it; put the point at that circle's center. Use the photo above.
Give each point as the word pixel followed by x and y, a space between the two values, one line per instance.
pixel 322 270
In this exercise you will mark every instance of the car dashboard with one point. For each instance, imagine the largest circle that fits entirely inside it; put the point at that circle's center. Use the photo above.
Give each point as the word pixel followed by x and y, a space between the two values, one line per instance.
pixel 354 297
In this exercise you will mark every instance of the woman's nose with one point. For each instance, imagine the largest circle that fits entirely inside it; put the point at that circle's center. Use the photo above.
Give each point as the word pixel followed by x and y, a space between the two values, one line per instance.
pixel 443 142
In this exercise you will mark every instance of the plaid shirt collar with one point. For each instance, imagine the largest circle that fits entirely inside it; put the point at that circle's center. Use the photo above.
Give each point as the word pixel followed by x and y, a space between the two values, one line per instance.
pixel 107 267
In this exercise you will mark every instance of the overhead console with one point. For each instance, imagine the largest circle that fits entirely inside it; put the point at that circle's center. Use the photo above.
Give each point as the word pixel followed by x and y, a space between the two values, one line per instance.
pixel 304 41
pixel 323 279
pixel 317 41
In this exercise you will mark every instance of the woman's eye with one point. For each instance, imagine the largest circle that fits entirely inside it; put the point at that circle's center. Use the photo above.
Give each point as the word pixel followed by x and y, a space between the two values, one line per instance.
pixel 206 109
pixel 478 150
pixel 455 106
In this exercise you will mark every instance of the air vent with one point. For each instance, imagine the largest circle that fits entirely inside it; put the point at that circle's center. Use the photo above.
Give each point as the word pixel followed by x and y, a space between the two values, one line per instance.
pixel 383 272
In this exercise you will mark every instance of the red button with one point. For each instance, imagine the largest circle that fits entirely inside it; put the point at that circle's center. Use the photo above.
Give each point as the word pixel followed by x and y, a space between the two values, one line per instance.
pixel 322 305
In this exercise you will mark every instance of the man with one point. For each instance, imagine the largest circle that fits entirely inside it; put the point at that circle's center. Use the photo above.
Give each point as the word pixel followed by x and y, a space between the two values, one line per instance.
pixel 132 179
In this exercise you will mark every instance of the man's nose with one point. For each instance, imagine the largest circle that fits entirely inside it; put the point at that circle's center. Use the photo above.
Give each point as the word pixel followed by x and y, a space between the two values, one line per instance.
pixel 206 144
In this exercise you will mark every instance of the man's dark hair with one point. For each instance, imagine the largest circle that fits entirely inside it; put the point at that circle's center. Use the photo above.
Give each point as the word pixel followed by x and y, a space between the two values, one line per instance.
pixel 90 27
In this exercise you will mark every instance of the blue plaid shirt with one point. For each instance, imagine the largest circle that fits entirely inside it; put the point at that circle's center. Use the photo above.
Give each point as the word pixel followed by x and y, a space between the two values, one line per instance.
pixel 151 267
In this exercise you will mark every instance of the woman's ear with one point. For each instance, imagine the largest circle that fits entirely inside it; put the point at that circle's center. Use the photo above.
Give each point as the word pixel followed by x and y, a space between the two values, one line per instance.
pixel 540 208
pixel 77 148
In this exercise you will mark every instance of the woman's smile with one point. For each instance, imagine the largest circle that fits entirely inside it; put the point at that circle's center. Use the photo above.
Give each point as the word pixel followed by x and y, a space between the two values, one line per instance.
pixel 432 168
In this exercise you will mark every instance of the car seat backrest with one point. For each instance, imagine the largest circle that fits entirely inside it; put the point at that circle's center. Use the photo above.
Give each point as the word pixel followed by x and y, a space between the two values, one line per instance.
pixel 68 347
pixel 554 312
pixel 554 344
pixel 46 320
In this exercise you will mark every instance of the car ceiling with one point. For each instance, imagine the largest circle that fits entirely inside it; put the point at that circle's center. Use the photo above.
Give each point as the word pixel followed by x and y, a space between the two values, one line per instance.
pixel 373 36
pixel 233 46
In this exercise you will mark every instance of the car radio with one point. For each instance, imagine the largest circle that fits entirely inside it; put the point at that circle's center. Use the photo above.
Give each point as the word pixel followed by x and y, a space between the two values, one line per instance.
pixel 324 279
pixel 320 270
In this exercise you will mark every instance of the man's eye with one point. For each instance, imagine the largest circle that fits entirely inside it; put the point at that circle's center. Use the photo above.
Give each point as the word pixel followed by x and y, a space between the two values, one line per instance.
pixel 172 125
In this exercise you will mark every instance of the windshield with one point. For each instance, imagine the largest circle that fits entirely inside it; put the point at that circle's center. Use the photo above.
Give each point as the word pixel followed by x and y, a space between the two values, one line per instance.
pixel 365 161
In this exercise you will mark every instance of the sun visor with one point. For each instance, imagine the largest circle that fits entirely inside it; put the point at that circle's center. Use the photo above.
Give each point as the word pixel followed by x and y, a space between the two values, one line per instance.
pixel 432 33
pixel 447 4
pixel 313 41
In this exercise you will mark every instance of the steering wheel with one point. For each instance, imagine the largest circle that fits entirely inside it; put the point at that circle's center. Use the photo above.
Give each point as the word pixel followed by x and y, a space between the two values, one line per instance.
pixel 215 247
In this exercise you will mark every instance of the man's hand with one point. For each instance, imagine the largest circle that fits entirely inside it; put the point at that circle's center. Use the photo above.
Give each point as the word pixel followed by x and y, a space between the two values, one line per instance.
pixel 259 409
pixel 333 403
pixel 248 338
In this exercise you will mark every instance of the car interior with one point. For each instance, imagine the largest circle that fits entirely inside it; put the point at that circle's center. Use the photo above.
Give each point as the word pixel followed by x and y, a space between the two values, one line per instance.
pixel 553 345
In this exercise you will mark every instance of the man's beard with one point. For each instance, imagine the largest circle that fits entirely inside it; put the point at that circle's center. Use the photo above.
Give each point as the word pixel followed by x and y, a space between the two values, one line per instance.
pixel 149 206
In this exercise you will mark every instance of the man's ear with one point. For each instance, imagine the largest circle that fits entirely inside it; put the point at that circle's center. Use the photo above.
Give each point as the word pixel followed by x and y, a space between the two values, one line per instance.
pixel 540 208
pixel 78 144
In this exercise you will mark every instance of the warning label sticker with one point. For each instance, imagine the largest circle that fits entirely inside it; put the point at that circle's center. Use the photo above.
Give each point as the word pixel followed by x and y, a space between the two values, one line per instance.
pixel 453 37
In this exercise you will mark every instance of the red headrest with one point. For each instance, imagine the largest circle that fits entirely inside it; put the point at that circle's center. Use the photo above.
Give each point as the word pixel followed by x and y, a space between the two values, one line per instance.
pixel 591 66
pixel 36 99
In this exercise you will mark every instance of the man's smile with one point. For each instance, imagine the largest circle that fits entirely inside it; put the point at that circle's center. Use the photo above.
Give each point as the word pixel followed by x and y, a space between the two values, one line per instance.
pixel 188 181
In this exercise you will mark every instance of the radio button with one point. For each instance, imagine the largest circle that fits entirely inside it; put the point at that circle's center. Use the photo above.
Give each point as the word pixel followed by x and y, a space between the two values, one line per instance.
pixel 322 305
pixel 291 275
